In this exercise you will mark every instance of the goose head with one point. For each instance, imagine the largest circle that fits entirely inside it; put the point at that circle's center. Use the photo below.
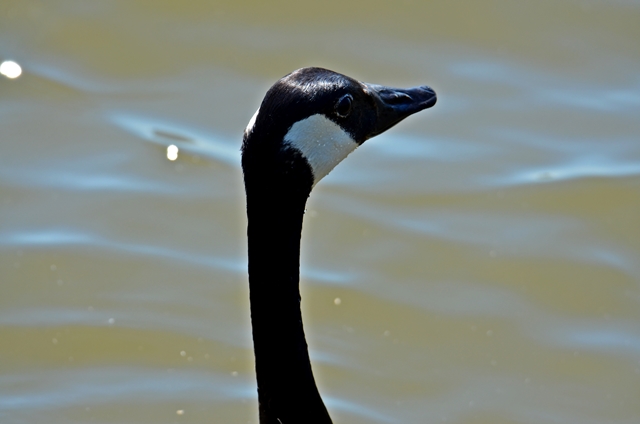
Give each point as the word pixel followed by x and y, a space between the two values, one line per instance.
pixel 311 119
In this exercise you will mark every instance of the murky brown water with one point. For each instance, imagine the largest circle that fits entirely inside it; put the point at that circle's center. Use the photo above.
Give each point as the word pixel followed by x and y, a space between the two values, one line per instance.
pixel 485 252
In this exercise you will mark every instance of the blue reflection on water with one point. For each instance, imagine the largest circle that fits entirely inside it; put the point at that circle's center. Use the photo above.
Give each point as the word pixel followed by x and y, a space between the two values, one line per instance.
pixel 188 139
pixel 48 238
pixel 98 386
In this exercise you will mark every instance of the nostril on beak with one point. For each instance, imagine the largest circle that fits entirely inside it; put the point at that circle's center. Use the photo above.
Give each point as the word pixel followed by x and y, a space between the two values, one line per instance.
pixel 396 98
pixel 428 89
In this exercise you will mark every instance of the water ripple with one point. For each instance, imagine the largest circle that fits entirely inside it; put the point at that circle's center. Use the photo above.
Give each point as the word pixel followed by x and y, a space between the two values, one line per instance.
pixel 410 147
pixel 586 167
pixel 57 238
pixel 343 405
pixel 99 172
pixel 79 387
pixel 597 99
pixel 187 139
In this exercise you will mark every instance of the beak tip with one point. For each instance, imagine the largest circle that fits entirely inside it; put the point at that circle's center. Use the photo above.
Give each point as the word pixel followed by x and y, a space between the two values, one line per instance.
pixel 432 100
pixel 395 104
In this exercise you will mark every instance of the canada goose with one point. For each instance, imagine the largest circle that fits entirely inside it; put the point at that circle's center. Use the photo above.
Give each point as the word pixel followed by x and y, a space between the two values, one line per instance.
pixel 307 123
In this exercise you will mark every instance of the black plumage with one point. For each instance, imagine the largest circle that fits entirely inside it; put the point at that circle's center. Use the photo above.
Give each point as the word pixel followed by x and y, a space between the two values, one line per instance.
pixel 278 180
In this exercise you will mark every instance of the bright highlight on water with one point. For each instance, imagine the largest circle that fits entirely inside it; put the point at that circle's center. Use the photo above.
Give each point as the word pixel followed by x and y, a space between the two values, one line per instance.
pixel 172 152
pixel 10 69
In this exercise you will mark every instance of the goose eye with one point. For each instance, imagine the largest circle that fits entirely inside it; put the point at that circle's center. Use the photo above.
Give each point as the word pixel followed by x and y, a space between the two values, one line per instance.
pixel 343 106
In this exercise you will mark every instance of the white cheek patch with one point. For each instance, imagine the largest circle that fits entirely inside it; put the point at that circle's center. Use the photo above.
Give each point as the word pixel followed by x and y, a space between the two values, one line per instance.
pixel 322 142
pixel 252 122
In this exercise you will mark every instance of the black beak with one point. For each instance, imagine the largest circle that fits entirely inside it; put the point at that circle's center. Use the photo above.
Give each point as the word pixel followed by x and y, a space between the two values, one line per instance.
pixel 395 104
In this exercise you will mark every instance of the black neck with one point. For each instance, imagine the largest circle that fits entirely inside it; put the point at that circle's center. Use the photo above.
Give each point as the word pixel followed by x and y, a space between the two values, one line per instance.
pixel 287 391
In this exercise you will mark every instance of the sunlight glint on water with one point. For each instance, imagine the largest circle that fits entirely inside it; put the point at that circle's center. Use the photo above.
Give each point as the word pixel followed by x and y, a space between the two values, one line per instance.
pixel 10 69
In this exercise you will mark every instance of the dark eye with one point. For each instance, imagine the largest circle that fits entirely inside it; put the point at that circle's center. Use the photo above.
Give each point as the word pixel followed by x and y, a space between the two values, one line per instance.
pixel 343 106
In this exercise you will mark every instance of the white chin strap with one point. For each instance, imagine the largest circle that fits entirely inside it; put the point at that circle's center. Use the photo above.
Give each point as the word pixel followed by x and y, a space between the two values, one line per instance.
pixel 321 141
